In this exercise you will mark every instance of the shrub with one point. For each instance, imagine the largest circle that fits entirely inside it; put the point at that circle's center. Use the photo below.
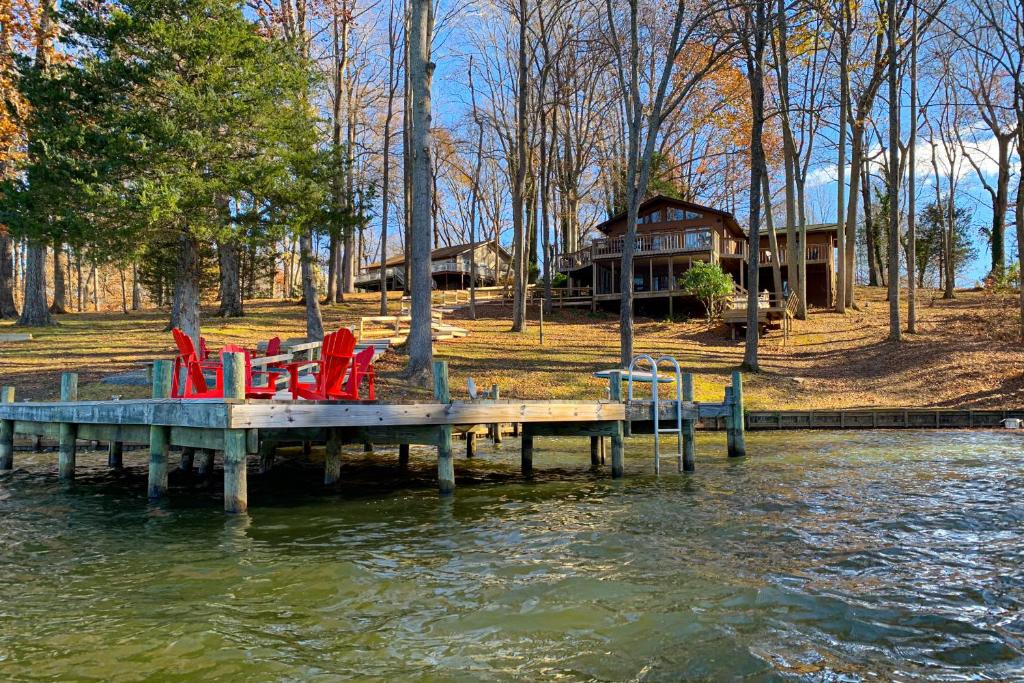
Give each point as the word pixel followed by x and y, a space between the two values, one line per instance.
pixel 709 283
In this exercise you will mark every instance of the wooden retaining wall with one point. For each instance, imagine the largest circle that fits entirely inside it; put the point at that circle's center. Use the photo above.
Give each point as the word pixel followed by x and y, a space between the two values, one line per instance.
pixel 878 418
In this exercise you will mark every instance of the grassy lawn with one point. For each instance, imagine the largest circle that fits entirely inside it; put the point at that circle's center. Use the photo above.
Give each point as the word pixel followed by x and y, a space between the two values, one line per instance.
pixel 965 354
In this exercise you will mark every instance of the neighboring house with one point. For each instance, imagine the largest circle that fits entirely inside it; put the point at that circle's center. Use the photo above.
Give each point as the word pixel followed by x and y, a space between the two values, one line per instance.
pixel 671 235
pixel 450 268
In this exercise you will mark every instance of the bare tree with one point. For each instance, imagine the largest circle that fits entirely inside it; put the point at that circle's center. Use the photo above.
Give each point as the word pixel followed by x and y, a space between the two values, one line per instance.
pixel 895 331
pixel 912 181
pixel 421 71
pixel 753 27
pixel 645 68
pixel 392 87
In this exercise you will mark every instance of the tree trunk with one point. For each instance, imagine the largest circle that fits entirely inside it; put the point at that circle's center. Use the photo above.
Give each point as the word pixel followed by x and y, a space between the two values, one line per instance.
pixel 949 285
pixel 60 287
pixel 8 309
pixel 519 247
pixel 856 159
pixel 791 157
pixel 230 288
pixel 475 197
pixel 1020 220
pixel 136 289
pixel 420 74
pixel 844 104
pixel 186 288
pixel 1000 205
pixel 912 182
pixel 124 292
pixel 773 243
pixel 871 248
pixel 895 327
pixel 333 259
pixel 34 311
pixel 755 76
pixel 314 323
pixel 386 181
pixel 407 159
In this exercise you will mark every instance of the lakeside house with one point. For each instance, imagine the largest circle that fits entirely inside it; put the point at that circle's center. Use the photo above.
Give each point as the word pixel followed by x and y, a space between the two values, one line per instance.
pixel 671 235
pixel 450 267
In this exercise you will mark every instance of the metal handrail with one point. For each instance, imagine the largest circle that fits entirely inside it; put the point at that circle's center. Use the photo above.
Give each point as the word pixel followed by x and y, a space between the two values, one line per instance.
pixel 654 364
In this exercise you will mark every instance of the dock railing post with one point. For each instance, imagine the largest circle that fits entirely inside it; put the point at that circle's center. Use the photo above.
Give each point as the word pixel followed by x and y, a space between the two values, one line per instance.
pixel 66 452
pixel 729 432
pixel 445 463
pixel 159 435
pixel 688 426
pixel 6 433
pixel 236 490
pixel 615 394
pixel 739 441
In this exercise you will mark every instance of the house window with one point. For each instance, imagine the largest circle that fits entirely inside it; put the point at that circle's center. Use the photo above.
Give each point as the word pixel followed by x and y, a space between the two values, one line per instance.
pixel 677 214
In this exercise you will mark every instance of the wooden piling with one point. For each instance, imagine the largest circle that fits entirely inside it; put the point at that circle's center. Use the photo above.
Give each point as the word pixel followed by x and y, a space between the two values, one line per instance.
pixel 66 452
pixel 689 453
pixel 445 463
pixel 617 448
pixel 615 395
pixel 204 465
pixel 115 455
pixel 159 436
pixel 729 434
pixel 496 427
pixel 332 458
pixel 526 456
pixel 595 452
pixel 739 441
pixel 403 455
pixel 236 490
pixel 470 444
pixel 267 453
pixel 6 433
pixel 188 456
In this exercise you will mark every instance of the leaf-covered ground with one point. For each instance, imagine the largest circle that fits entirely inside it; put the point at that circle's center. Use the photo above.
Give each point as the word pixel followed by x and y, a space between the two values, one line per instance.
pixel 965 354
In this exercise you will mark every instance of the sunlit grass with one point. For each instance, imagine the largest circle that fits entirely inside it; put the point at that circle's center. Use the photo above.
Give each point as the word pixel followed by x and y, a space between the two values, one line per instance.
pixel 830 361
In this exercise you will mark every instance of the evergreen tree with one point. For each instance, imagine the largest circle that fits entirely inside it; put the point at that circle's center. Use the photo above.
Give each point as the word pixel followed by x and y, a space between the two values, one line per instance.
pixel 178 122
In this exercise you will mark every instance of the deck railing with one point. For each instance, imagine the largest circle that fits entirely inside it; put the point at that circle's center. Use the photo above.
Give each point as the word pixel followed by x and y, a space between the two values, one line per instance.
pixel 733 246
pixel 574 260
pixel 816 253
pixel 654 243
pixel 657 243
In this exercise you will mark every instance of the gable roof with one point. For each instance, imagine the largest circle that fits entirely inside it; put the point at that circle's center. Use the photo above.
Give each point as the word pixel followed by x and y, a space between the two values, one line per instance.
pixel 441 253
pixel 659 200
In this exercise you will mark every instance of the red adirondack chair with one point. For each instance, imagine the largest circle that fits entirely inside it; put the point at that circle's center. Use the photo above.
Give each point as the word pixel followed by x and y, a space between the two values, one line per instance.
pixel 252 391
pixel 195 384
pixel 362 369
pixel 273 346
pixel 328 381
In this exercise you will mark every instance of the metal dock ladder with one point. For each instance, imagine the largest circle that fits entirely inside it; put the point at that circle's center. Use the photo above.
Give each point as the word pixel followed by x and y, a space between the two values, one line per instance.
pixel 677 429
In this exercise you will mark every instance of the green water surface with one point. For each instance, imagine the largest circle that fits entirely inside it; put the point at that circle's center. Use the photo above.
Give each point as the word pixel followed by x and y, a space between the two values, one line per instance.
pixel 821 557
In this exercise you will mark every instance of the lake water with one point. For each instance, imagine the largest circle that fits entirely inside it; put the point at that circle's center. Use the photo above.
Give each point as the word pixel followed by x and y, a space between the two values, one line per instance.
pixel 821 557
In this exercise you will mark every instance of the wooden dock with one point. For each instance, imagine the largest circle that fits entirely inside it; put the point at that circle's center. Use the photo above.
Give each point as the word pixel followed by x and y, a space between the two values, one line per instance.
pixel 240 429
